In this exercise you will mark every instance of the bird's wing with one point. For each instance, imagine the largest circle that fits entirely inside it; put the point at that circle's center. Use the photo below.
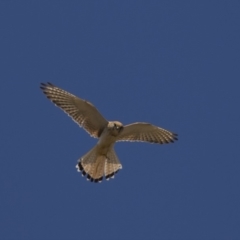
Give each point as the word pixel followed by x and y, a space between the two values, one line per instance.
pixel 81 111
pixel 146 132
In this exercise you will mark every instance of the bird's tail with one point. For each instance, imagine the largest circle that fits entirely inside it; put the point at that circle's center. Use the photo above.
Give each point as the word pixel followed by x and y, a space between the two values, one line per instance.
pixel 94 166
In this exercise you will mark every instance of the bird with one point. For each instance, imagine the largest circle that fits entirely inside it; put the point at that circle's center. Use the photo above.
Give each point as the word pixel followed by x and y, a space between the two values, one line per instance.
pixel 102 161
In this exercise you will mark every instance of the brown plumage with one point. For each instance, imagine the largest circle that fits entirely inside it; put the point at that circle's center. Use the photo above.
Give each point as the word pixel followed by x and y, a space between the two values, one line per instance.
pixel 102 160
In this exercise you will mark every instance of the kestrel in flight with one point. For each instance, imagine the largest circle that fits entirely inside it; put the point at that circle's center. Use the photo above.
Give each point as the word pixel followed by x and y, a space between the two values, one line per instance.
pixel 102 159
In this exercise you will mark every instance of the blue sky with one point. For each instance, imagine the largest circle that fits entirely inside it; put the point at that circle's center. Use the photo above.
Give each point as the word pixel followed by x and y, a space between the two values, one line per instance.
pixel 171 63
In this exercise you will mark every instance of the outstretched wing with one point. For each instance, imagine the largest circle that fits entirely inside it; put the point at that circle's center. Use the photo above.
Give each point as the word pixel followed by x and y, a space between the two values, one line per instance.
pixel 81 111
pixel 146 132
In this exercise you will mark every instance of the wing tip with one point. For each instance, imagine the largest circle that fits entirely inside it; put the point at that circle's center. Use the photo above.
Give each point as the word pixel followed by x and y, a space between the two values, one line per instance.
pixel 45 85
pixel 175 136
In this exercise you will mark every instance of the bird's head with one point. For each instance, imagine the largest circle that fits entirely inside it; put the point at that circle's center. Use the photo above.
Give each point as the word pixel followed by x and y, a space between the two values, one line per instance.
pixel 115 127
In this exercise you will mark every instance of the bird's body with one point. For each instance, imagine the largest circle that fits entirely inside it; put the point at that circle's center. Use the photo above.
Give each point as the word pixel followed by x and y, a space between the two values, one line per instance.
pixel 110 134
pixel 102 160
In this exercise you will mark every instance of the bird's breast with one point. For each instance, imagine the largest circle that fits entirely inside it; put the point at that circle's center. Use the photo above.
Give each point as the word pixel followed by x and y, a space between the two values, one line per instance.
pixel 106 141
